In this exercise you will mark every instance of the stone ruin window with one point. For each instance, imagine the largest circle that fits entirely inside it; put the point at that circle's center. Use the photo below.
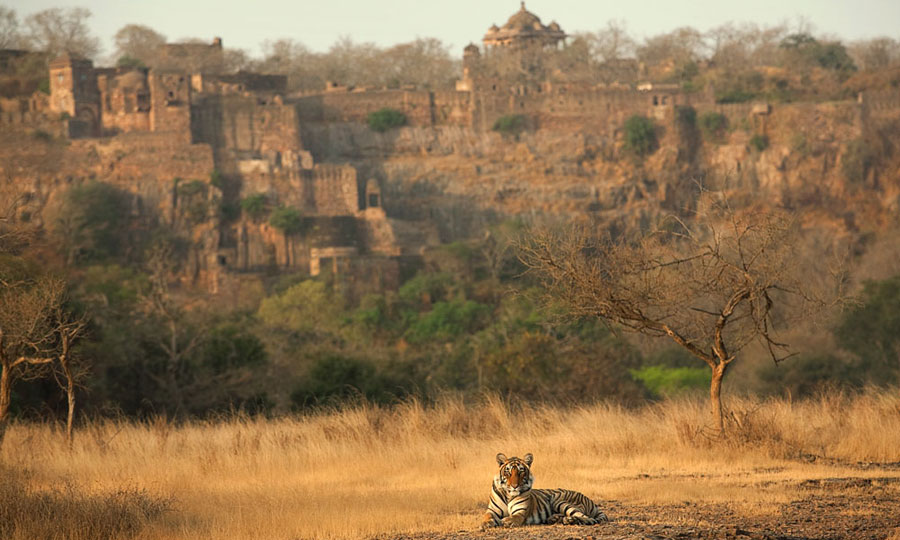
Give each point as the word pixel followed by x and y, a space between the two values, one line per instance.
pixel 665 100
pixel 373 200
pixel 222 259
pixel 655 100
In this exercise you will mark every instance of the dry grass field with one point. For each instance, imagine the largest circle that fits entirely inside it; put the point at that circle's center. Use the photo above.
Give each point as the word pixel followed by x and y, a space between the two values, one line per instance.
pixel 802 469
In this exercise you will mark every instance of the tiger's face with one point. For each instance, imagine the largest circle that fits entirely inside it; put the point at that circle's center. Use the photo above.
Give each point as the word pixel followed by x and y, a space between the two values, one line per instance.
pixel 515 474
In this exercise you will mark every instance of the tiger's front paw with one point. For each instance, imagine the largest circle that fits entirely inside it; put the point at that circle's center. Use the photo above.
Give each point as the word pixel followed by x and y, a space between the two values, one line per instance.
pixel 578 520
pixel 485 525
pixel 509 521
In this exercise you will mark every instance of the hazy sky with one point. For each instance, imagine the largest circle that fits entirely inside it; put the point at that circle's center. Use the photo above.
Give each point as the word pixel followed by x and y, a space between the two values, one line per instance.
pixel 245 24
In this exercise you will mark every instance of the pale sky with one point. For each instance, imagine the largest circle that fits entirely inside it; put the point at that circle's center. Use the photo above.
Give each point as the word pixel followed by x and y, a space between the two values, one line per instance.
pixel 319 23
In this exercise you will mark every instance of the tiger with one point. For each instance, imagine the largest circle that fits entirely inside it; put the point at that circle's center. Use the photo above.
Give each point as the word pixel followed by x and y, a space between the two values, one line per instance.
pixel 513 502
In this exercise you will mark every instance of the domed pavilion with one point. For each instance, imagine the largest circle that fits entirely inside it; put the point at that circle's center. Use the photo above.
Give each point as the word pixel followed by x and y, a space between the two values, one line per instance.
pixel 524 30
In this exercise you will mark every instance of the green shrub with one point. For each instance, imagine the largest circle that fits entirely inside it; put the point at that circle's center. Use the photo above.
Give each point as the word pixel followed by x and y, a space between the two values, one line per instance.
pixel 229 212
pixel 447 320
pixel 686 116
pixel 713 125
pixel 669 381
pixel 92 222
pixel 216 179
pixel 856 161
pixel 385 119
pixel 189 188
pixel 871 330
pixel 44 86
pixel 254 206
pixel 287 219
pixel 640 135
pixel 735 95
pixel 759 142
pixel 334 380
pixel 510 124
pixel 130 62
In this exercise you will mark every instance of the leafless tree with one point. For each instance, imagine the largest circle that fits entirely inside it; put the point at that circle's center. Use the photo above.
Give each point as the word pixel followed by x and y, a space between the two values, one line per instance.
pixel 715 286
pixel 10 37
pixel 680 46
pixel 179 340
pixel 35 332
pixel 877 53
pixel 69 329
pixel 613 42
pixel 137 42
pixel 57 30
pixel 425 62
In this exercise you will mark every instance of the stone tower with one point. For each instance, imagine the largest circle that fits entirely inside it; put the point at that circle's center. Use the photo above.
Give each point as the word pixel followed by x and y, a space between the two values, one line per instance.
pixel 74 92
pixel 170 102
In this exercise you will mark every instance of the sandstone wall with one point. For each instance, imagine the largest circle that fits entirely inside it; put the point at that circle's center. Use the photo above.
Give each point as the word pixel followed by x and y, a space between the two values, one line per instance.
pixel 356 106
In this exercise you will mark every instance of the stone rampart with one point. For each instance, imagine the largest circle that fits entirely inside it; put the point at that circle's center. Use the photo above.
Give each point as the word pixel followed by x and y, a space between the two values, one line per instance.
pixel 356 106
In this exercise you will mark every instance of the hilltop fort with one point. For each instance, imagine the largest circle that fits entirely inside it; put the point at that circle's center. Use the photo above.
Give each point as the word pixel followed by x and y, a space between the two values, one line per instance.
pixel 235 136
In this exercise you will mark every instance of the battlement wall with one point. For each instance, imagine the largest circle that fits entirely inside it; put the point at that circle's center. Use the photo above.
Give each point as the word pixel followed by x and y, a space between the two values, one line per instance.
pixel 356 106
pixel 601 110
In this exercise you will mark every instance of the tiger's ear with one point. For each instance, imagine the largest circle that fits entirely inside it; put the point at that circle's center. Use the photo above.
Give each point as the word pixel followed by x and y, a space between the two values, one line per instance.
pixel 501 459
pixel 528 459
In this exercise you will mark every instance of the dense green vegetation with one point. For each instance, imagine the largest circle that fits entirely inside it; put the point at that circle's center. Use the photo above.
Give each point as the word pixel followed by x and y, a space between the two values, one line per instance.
pixel 640 135
pixel 759 142
pixel 466 320
pixel 713 125
pixel 510 124
pixel 385 119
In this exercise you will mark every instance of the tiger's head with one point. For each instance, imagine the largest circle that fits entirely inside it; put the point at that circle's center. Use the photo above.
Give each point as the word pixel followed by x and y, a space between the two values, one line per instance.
pixel 515 476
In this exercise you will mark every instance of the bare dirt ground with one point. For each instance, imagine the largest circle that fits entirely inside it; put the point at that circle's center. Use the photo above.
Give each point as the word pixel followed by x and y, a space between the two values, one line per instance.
pixel 847 507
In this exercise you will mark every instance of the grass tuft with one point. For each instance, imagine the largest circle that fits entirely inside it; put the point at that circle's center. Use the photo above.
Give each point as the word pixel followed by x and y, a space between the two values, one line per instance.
pixel 68 513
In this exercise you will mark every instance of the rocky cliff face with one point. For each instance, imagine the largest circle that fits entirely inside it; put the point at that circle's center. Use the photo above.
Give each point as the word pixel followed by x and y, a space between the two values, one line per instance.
pixel 835 166
pixel 804 156
pixel 164 181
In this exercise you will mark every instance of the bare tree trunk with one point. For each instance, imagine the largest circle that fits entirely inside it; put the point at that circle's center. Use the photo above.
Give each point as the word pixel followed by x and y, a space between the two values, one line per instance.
pixel 5 396
pixel 70 417
pixel 715 395
pixel 70 397
pixel 172 369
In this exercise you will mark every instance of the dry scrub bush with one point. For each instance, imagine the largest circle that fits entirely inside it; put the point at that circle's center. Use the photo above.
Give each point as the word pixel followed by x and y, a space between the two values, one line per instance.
pixel 66 513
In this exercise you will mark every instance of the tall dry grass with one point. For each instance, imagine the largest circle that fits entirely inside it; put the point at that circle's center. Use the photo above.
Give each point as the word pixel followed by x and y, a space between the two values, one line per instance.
pixel 369 470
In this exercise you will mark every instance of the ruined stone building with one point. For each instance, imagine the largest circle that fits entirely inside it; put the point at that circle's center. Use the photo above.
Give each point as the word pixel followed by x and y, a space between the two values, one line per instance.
pixel 257 150
pixel 240 134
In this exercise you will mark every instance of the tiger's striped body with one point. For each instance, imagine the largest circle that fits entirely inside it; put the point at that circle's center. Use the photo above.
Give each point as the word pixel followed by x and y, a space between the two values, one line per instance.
pixel 514 502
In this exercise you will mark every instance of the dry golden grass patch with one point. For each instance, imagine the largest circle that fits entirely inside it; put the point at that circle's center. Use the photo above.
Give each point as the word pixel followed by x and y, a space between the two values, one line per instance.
pixel 371 470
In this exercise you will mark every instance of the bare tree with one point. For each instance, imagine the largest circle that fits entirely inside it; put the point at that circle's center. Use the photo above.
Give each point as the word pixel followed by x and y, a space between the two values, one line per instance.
pixel 136 43
pixel 10 37
pixel 680 46
pixel 179 340
pixel 70 330
pixel 296 60
pixel 56 31
pixel 613 42
pixel 714 287
pixel 877 53
pixel 32 334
